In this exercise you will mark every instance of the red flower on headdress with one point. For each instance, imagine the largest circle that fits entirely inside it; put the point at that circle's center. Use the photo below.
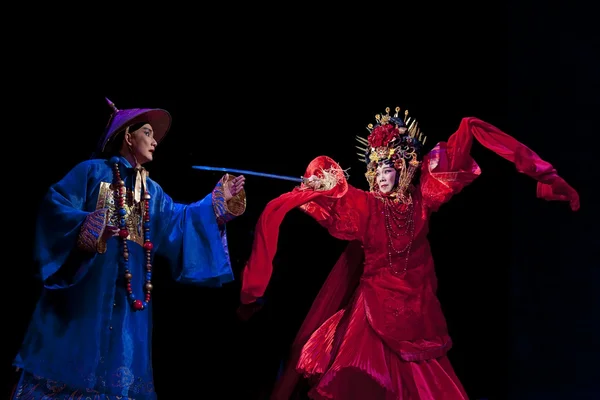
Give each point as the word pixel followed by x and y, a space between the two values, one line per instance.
pixel 382 135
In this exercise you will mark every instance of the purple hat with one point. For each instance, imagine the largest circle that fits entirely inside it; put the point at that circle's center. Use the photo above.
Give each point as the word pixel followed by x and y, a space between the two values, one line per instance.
pixel 120 119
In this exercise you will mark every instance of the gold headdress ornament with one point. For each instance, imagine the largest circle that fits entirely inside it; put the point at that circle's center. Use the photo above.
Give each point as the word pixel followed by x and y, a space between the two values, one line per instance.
pixel 396 141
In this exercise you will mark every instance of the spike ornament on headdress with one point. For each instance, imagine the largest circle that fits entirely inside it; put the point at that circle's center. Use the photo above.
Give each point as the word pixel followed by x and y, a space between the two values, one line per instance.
pixel 111 105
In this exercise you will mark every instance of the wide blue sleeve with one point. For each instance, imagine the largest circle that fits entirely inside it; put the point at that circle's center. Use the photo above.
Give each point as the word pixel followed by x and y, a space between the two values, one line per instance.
pixel 67 237
pixel 194 239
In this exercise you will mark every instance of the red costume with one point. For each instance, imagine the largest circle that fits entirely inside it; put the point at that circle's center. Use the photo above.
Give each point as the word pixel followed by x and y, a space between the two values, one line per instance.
pixel 376 329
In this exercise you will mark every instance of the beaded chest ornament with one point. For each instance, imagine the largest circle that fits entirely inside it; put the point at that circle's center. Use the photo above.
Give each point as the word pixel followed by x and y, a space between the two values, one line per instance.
pixel 120 194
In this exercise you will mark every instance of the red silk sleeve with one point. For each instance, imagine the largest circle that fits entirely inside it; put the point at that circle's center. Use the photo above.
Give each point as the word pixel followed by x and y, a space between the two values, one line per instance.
pixel 449 167
pixel 344 218
pixel 444 174
pixel 331 208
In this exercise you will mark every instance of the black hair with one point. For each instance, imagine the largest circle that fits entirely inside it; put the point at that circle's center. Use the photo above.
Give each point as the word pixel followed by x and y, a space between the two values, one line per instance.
pixel 413 142
pixel 113 146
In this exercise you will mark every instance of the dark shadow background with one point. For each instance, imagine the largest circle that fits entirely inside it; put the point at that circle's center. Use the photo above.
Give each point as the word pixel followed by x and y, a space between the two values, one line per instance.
pixel 517 275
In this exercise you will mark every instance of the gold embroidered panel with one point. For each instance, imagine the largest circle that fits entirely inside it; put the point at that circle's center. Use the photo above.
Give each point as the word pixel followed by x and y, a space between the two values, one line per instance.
pixel 133 216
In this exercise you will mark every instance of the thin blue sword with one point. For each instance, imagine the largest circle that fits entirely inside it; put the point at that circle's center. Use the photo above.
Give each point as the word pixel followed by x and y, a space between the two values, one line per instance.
pixel 245 172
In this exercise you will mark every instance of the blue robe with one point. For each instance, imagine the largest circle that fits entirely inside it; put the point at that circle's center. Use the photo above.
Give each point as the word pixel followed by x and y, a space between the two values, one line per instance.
pixel 84 338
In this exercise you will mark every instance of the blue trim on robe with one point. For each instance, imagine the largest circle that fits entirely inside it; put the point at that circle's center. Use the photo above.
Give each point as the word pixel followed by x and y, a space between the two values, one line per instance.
pixel 83 333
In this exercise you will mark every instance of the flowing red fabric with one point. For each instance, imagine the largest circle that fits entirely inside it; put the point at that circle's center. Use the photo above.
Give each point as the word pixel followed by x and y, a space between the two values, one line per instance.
pixel 342 280
pixel 264 247
pixel 335 293
pixel 550 185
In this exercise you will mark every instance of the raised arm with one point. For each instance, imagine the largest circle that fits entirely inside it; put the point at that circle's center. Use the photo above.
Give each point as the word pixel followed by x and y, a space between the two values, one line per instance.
pixel 194 238
pixel 449 166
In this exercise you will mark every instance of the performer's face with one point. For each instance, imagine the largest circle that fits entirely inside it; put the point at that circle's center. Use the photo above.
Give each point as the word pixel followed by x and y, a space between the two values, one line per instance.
pixel 386 178
pixel 142 143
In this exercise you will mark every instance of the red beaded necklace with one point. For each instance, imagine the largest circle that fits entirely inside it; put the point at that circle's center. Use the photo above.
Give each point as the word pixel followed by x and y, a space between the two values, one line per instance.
pixel 120 194
pixel 398 213
pixel 399 221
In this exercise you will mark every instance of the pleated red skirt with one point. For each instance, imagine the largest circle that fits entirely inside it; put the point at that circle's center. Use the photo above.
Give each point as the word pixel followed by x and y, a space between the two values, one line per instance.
pixel 345 359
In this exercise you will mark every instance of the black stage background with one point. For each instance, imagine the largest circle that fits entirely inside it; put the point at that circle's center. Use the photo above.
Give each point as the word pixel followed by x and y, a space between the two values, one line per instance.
pixel 517 275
